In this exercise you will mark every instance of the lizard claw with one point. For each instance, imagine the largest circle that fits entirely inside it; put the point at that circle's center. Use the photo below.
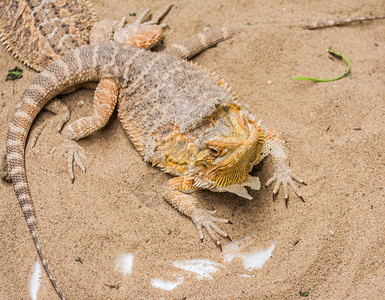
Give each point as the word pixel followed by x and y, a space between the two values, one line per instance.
pixel 285 178
pixel 75 153
pixel 204 218
pixel 274 196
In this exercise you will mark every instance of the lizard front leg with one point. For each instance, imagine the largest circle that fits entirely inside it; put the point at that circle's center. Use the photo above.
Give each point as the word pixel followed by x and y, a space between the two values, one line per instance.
pixel 283 174
pixel 105 98
pixel 175 193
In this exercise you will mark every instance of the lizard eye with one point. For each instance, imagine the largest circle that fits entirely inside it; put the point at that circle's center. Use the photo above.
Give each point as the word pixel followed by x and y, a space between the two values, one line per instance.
pixel 214 151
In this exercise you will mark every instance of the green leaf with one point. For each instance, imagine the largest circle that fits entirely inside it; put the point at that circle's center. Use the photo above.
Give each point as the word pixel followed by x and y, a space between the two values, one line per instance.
pixel 339 55
pixel 132 14
pixel 77 258
pixel 14 74
pixel 303 294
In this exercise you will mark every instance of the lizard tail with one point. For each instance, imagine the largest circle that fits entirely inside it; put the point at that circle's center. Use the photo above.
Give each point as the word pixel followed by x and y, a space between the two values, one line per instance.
pixel 56 78
pixel 32 229
pixel 19 179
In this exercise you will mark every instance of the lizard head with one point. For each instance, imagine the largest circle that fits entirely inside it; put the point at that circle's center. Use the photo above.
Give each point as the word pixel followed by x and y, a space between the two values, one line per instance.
pixel 229 149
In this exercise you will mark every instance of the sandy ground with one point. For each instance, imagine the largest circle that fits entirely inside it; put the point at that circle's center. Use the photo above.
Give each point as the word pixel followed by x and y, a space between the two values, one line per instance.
pixel 332 246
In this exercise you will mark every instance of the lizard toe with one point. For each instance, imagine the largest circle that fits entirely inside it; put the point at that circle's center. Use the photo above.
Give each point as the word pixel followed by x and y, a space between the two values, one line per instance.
pixel 75 153
pixel 204 218
pixel 285 179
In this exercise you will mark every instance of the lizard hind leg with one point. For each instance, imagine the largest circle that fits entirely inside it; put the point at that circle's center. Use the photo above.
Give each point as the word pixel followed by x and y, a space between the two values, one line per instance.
pixel 105 98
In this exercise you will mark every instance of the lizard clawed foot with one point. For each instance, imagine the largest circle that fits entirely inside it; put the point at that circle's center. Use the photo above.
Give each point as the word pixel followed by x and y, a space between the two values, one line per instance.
pixel 285 178
pixel 204 218
pixel 75 153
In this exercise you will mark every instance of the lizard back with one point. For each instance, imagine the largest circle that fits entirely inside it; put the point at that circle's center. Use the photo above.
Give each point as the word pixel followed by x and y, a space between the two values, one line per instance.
pixel 158 92
pixel 37 32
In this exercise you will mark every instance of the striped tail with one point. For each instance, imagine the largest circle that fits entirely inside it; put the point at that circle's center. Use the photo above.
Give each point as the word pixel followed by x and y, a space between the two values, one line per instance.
pixel 16 139
pixel 56 78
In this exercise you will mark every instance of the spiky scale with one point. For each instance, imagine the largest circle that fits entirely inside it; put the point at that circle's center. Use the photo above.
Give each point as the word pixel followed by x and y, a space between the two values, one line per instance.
pixel 37 32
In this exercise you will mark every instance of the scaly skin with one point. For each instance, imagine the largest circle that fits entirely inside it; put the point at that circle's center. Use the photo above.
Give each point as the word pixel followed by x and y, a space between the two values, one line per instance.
pixel 178 116
pixel 73 23
pixel 37 32
pixel 60 26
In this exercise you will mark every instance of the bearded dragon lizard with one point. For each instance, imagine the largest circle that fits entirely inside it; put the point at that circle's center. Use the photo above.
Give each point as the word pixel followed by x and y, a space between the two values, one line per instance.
pixel 180 118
